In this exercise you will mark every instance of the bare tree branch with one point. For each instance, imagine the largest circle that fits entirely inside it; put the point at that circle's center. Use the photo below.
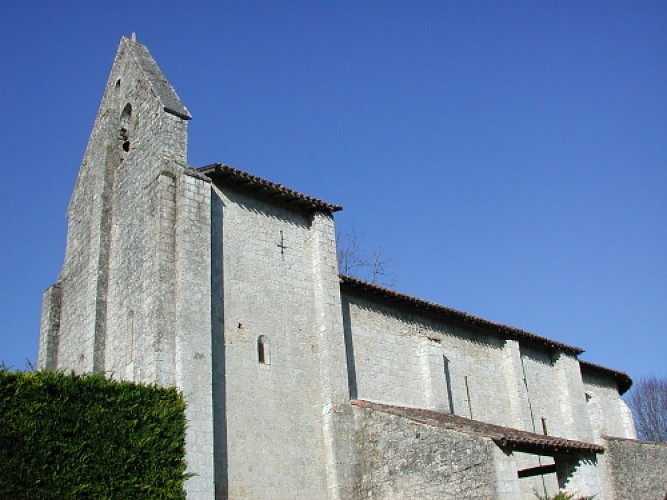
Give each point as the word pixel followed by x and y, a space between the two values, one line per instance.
pixel 373 267
pixel 648 402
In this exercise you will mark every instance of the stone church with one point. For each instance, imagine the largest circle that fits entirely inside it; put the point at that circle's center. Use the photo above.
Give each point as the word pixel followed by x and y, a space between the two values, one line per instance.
pixel 300 382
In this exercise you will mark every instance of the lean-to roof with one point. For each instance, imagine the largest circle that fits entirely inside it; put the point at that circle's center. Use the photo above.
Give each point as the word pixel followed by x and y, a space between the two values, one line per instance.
pixel 505 437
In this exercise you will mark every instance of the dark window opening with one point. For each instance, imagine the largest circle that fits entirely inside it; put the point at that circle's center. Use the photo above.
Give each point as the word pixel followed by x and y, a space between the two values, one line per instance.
pixel 124 133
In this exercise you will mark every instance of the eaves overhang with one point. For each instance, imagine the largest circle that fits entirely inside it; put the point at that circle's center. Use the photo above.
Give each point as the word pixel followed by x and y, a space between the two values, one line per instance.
pixel 415 305
pixel 623 380
pixel 264 189
pixel 504 437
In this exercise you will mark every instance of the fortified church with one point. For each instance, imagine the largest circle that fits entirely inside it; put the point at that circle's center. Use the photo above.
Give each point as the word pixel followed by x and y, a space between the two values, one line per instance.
pixel 300 382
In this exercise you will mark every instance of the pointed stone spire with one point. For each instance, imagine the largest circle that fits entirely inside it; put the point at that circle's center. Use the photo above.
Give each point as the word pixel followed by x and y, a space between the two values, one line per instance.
pixel 161 86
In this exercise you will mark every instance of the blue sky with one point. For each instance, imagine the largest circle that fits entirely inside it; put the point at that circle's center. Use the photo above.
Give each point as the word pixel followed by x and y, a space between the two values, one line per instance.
pixel 509 157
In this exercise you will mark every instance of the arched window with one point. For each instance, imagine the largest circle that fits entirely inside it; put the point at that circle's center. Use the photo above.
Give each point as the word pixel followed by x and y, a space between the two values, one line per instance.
pixel 263 350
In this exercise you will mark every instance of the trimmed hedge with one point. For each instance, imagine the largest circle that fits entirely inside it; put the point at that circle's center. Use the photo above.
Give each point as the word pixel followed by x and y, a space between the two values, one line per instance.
pixel 70 436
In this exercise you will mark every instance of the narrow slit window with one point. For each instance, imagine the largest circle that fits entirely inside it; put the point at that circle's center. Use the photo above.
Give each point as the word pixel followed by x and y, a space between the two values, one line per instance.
pixel 263 350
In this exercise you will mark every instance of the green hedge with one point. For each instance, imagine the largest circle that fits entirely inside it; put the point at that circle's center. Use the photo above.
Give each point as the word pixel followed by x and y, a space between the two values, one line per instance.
pixel 69 436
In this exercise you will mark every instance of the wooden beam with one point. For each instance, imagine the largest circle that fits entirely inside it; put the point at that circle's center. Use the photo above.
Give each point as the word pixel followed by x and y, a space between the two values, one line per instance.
pixel 537 471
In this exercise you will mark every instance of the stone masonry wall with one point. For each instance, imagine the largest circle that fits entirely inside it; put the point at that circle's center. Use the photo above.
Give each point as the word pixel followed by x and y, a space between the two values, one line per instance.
pixel 337 414
pixel 606 409
pixel 273 406
pixel 573 411
pixel 190 367
pixel 542 389
pixel 404 359
pixel 637 469
pixel 49 328
pixel 556 394
pixel 401 459
pixel 107 279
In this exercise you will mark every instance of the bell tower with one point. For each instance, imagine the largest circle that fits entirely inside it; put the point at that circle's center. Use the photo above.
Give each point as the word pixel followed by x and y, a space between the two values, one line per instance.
pixel 133 296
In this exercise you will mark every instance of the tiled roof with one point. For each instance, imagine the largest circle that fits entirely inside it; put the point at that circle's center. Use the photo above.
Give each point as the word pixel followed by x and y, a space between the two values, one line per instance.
pixel 623 380
pixel 264 189
pixel 353 285
pixel 505 437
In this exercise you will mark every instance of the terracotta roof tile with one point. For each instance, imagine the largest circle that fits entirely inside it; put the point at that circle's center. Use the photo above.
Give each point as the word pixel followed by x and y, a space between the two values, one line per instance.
pixel 505 437
pixel 351 284
pixel 264 189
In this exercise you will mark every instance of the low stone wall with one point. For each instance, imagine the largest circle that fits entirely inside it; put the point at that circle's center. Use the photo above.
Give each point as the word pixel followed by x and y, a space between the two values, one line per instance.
pixel 638 469
pixel 400 459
